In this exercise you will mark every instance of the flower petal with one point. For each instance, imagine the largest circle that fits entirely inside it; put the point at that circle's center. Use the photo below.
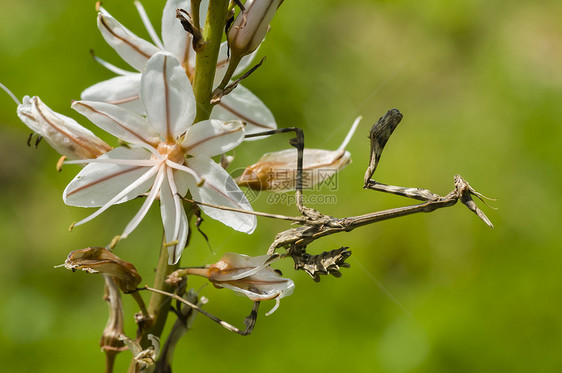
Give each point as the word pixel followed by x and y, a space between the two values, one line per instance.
pixel 134 50
pixel 175 38
pixel 98 183
pixel 135 221
pixel 121 90
pixel 64 134
pixel 120 122
pixel 167 96
pixel 213 137
pixel 243 105
pixel 148 175
pixel 176 227
pixel 181 180
pixel 221 190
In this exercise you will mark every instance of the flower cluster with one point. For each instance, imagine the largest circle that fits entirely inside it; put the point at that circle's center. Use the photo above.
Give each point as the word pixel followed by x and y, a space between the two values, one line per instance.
pixel 168 134
pixel 165 154
pixel 179 111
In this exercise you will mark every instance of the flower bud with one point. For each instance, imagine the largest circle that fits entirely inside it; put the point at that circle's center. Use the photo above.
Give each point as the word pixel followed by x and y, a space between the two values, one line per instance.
pixel 250 27
pixel 64 134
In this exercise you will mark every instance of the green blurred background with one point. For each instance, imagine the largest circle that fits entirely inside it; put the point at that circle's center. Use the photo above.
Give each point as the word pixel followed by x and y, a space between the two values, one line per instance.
pixel 479 84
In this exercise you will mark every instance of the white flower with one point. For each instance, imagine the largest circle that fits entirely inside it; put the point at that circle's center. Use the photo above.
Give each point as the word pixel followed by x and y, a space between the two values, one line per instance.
pixel 156 159
pixel 251 276
pixel 123 90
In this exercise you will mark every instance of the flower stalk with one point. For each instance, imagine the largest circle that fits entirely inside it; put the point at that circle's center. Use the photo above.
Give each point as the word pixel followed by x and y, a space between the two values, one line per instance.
pixel 159 304
pixel 207 57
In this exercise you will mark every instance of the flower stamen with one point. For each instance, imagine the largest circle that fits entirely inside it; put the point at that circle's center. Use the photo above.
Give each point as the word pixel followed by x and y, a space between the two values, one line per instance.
pixel 172 151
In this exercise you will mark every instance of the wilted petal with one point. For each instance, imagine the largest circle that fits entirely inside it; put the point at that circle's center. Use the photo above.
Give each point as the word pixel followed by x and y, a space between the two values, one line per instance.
pixel 176 39
pixel 134 50
pixel 220 189
pixel 121 90
pixel 243 105
pixel 213 137
pixel 101 260
pixel 144 359
pixel 167 96
pixel 120 122
pixel 98 183
pixel 64 134
pixel 133 346
pixel 174 219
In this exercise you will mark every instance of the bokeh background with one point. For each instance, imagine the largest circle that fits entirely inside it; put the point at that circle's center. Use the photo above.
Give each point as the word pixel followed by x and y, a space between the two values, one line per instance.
pixel 480 87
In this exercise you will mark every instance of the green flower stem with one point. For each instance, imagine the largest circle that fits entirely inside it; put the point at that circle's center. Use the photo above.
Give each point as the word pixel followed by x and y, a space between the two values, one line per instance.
pixel 207 56
pixel 195 5
pixel 159 305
